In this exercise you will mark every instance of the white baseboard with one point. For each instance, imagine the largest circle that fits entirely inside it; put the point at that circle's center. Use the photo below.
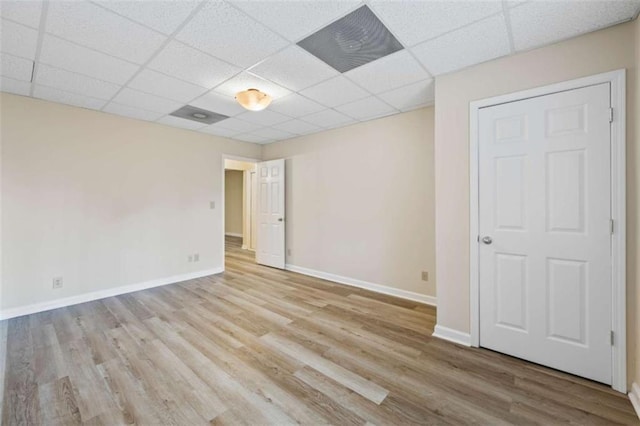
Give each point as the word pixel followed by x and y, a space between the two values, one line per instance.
pixel 378 288
pixel 3 357
pixel 452 335
pixel 233 234
pixel 101 294
pixel 634 396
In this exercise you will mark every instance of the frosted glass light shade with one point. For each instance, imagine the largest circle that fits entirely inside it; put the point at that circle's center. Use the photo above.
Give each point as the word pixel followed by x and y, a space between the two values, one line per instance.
pixel 253 99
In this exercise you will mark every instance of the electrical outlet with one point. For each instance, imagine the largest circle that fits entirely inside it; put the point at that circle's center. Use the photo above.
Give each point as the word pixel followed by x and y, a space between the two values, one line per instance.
pixel 212 205
pixel 196 257
pixel 288 252
pixel 190 258
pixel 57 282
pixel 425 276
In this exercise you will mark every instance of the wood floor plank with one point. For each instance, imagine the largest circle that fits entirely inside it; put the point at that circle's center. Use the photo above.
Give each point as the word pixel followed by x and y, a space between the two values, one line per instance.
pixel 256 408
pixel 58 404
pixel 356 383
pixel 258 345
pixel 251 377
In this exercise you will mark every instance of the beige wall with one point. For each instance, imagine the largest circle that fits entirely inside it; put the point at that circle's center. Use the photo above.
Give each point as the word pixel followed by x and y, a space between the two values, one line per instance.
pixel 233 202
pixel 593 53
pixel 360 200
pixel 634 174
pixel 103 201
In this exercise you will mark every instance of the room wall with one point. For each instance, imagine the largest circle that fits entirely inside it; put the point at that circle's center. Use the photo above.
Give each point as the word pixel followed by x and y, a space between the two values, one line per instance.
pixel 233 202
pixel 360 201
pixel 605 50
pixel 104 201
pixel 634 174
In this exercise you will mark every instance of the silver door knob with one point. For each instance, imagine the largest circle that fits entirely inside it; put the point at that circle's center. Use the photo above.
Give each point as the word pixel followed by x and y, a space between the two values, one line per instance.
pixel 487 240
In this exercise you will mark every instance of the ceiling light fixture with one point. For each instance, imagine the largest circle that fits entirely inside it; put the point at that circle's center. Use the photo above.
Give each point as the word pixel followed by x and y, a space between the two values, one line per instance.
pixel 253 99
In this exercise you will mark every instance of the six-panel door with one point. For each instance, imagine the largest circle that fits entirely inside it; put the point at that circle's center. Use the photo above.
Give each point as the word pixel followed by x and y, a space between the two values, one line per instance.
pixel 545 278
pixel 270 233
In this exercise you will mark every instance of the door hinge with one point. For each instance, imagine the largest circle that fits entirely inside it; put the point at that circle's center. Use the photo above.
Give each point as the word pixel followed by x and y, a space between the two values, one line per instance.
pixel 611 226
pixel 610 115
pixel 612 338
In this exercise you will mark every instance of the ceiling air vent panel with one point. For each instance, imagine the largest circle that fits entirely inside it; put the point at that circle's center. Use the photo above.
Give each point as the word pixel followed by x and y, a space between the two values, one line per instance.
pixel 352 41
pixel 198 114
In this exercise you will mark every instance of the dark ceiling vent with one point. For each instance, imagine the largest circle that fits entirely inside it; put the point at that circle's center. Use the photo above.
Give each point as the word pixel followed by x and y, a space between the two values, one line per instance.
pixel 198 114
pixel 352 41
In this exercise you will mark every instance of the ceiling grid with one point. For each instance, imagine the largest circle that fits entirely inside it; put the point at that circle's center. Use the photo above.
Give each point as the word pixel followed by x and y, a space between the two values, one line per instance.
pixel 145 60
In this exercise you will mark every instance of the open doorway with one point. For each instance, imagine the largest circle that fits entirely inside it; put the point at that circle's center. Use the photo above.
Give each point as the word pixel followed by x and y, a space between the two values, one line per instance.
pixel 240 204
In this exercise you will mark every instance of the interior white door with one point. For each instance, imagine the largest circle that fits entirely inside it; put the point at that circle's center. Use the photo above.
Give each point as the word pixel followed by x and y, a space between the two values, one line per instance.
pixel 545 238
pixel 270 235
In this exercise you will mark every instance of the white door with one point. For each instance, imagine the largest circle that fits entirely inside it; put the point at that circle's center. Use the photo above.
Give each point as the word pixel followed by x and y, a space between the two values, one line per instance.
pixel 270 238
pixel 545 238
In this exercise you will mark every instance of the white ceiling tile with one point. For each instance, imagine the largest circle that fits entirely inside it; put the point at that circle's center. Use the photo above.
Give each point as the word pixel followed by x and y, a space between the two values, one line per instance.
pixel 146 101
pixel 218 131
pixel 172 121
pixel 271 133
pixel 416 21
pixel 334 92
pixel 296 19
pixel 24 12
pixel 226 33
pixel 239 126
pixel 246 80
pixel 131 112
pixel 297 127
pixel 327 118
pixel 159 84
pixel 74 83
pixel 366 108
pixel 392 71
pixel 189 64
pixel 294 68
pixel 264 118
pixel 295 105
pixel 18 39
pixel 514 3
pixel 15 68
pixel 216 102
pixel 411 96
pixel 71 57
pixel 92 26
pixel 16 87
pixel 252 137
pixel 541 22
pixel 163 16
pixel 60 96
pixel 470 45
pixel 343 124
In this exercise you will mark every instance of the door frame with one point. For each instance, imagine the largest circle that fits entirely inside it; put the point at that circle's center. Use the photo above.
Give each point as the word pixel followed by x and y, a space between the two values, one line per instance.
pixel 249 202
pixel 617 79
pixel 222 195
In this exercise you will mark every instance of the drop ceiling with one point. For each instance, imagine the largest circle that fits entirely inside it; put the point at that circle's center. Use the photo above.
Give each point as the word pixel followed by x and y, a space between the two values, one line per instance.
pixel 147 59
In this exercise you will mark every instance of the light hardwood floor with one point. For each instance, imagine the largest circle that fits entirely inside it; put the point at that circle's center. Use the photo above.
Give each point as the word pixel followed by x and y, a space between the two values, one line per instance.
pixel 261 346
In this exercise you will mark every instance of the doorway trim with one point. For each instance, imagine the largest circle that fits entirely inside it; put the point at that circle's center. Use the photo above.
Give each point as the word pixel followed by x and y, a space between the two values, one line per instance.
pixel 222 195
pixel 617 79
